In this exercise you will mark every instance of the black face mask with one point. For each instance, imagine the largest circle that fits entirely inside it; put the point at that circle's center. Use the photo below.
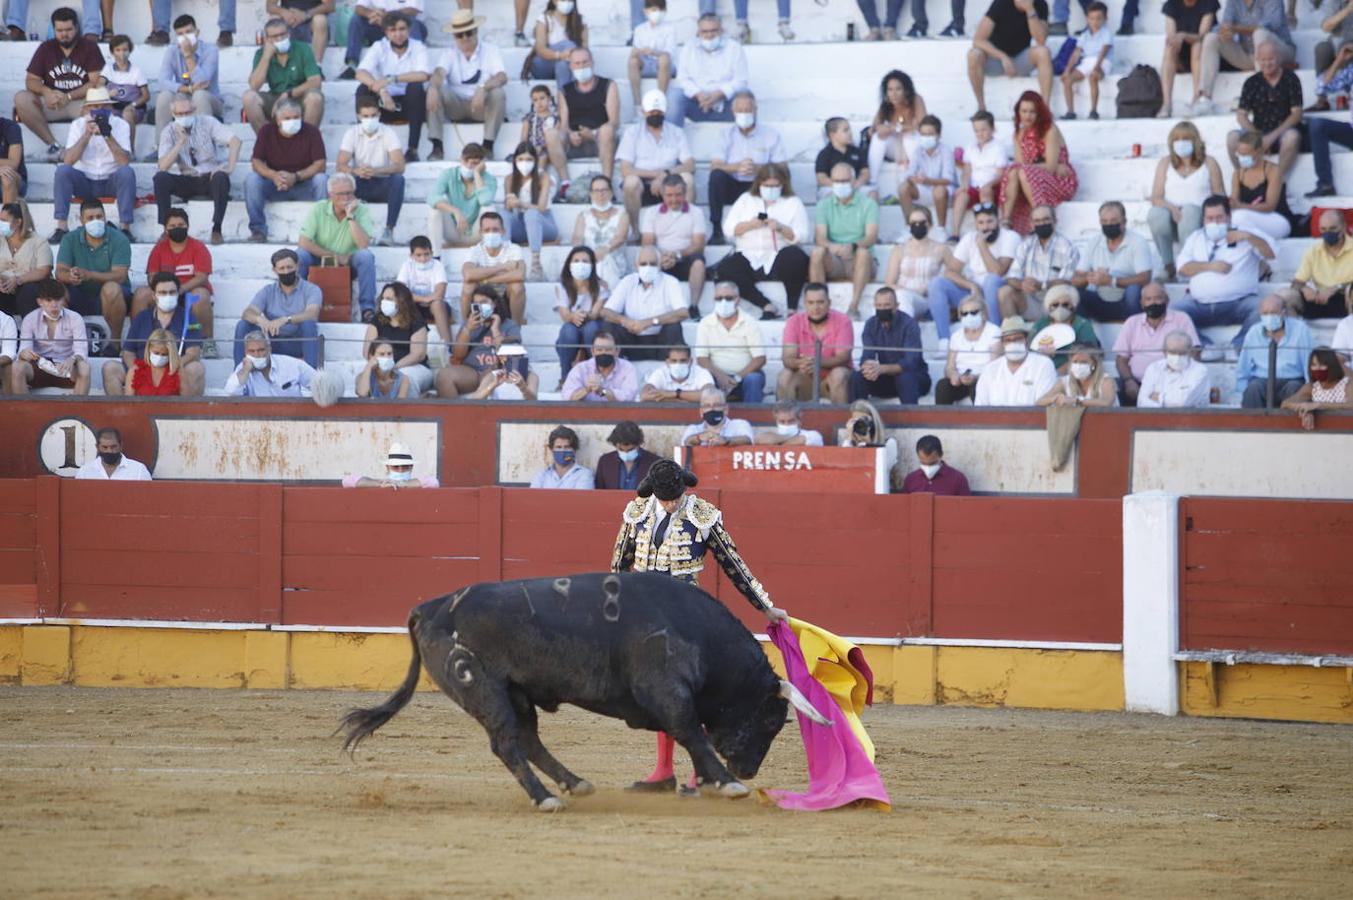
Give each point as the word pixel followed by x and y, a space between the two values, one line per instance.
pixel 1154 310
pixel 111 459
pixel 993 234
pixel 919 230
pixel 1331 237
pixel 885 315
pixel 1112 231
pixel 287 279
pixel 1043 231
pixel 604 360
pixel 655 119
pixel 712 416
pixel 178 235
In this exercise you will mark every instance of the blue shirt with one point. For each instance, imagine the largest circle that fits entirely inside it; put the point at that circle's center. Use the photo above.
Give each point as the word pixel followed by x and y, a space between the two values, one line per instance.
pixel 276 303
pixel 900 335
pixel 762 146
pixel 629 478
pixel 1293 352
pixel 145 322
pixel 286 377
pixel 575 478
pixel 174 68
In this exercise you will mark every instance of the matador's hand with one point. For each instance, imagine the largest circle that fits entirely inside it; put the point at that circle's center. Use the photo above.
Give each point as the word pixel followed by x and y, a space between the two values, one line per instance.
pixel 775 614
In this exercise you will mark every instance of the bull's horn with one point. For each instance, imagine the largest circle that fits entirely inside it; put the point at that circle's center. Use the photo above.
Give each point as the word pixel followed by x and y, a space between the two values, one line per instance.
pixel 800 702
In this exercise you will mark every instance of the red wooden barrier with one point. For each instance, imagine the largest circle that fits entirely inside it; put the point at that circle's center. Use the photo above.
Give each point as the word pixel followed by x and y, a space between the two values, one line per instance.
pixel 18 548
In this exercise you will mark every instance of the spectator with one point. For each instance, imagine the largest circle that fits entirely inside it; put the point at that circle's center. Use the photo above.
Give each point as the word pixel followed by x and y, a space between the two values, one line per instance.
pixel 766 224
pixel 676 380
pixel 160 371
pixel 96 163
pixel 191 144
pixel 1041 174
pixel 890 355
pixel 1176 380
pixel 526 200
pixel 971 347
pixel 1085 382
pixel 1186 23
pixel 398 323
pixel 562 472
pixel 649 152
pixel 461 194
pixel 1222 265
pixel 864 428
pixel 578 299
pixel 1011 39
pixel 92 262
pixel 468 84
pixel 1090 60
pixel 395 71
pixel 747 146
pixel 286 311
pixel 710 70
pixel 716 429
pixel 1185 177
pixel 677 229
pixel 511 379
pixel 308 21
pixel 914 263
pixel 1142 340
pixel 188 68
pixel 1258 193
pixel 980 172
pixel 1294 345
pixel 654 48
pixel 978 265
pixel 1018 377
pixel 1320 288
pixel 930 172
pixel 1333 74
pixel 189 260
pixel 847 229
pixel 153 368
pixel 1061 302
pixel 288 164
pixel 288 67
pixel 646 309
pixel 558 30
pixel 111 464
pixel 624 467
pixel 128 86
pixel 495 264
pixel 897 123
pixel 53 346
pixel 934 476
pixel 16 19
pixel 1270 104
pixel 25 262
pixel 1245 25
pixel 1044 260
pixel 474 353
pixel 730 345
pixel 263 374
pixel 398 473
pixel 62 71
pixel 1326 389
pixel 789 430
pixel 368 26
pixel 589 118
pixel 1324 130
pixel 816 342
pixel 539 123
pixel 605 377
pixel 379 379
pixel 426 278
pixel 841 148
pixel 340 228
pixel 604 227
pixel 370 154
pixel 1109 278
pixel 9 351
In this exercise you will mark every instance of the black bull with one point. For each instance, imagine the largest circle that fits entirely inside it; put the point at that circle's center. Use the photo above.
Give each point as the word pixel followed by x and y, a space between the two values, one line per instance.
pixel 646 648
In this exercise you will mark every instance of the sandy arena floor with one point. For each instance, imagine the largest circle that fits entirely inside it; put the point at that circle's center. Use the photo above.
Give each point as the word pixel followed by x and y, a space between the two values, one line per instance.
pixel 163 794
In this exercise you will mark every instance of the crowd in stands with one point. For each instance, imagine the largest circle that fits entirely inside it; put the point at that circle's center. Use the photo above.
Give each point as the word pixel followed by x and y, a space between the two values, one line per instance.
pixel 1014 300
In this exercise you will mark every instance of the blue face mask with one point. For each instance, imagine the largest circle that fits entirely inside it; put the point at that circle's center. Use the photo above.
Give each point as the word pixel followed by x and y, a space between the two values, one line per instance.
pixel 628 455
pixel 564 457
pixel 1272 322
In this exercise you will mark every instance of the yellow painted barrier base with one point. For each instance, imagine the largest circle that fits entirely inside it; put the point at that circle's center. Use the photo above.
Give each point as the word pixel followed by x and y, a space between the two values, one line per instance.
pixel 1293 693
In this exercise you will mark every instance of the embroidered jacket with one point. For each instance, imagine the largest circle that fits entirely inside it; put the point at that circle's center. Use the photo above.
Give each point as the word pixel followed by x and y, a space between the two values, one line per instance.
pixel 695 527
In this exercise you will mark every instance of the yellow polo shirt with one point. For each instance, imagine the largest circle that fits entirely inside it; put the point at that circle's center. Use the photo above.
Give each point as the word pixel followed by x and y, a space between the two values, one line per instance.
pixel 731 349
pixel 1326 268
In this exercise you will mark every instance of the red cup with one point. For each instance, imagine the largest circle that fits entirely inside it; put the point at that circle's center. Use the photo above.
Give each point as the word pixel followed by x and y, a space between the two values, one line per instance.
pixel 1136 150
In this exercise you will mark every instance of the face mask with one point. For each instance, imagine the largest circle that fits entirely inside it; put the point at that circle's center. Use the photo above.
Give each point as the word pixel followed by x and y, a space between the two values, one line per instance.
pixel 580 269
pixel 786 430
pixel 493 239
pixel 185 122
pixel 971 320
pixel 52 317
pixel 287 279
pixel 167 302
pixel 919 230
pixel 1154 310
pixel 190 37
pixel 6 229
pixel 712 416
pixel 1176 361
pixel 289 127
pixel 1016 351
pixel 655 119
pixel 282 45
pixel 1272 322
pixel 1044 231
pixel 96 227
pixel 1183 148
pixel 1215 231
pixel 1319 374
pixel 564 457
pixel 744 120
pixel 725 309
pixel 648 274
pixel 929 142
pixel 466 173
pixel 427 266
pixel 604 360
pixel 1081 371
pixel 842 189
pixel 628 455
pixel 259 362
pixel 771 193
pixel 178 235
pixel 993 234
pixel 1246 161
pixel 370 124
pixel 486 311
pixel 111 459
pixel 583 74
pixel 159 360
pixel 709 45
pixel 385 363
pixel 1059 314
pixel 930 470
pixel 679 371
pixel 526 166
pixel 603 207
pixel 885 315
pixel 1112 231
pixel 389 308
pixel 564 7
pixel 1329 237
pixel 399 476
pixel 655 16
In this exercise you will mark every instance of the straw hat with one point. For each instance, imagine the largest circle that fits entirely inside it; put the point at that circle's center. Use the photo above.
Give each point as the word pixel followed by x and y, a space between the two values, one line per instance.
pixel 464 20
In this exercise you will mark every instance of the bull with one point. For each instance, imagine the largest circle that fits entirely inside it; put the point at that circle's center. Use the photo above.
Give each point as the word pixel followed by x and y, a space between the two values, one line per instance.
pixel 645 648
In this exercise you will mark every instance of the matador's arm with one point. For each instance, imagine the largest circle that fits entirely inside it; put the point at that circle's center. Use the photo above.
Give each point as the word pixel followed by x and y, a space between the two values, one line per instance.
pixel 726 552
pixel 622 558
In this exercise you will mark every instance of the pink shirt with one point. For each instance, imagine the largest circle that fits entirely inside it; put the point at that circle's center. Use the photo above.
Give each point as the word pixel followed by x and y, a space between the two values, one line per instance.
pixel 1144 344
pixel 838 335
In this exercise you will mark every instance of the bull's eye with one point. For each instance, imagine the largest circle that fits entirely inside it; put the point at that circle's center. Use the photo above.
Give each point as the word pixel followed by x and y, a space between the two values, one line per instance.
pixel 463 673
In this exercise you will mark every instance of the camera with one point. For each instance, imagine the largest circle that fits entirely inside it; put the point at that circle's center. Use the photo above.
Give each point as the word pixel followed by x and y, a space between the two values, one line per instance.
pixel 101 121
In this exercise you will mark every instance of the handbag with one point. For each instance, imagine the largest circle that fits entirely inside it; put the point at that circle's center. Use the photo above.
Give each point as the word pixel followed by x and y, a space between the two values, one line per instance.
pixel 1063 56
pixel 335 286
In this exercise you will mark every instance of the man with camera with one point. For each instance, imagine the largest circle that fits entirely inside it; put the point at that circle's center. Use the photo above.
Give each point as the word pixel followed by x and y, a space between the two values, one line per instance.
pixel 96 163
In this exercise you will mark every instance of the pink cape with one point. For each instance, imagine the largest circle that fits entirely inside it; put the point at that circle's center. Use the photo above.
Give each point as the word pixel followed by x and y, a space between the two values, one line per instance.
pixel 839 770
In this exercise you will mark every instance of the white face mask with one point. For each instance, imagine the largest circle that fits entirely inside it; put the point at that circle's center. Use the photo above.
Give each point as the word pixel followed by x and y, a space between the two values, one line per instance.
pixel 190 37
pixel 282 45
pixel 771 192
pixel 289 127
pixel 1081 370
pixel 1176 361
pixel 564 7
pixel 971 320
pixel 493 239
pixel 930 470
pixel 167 302
pixel 786 430
pixel 1060 314
pixel 486 311
pixel 1016 351
pixel 602 207
pixel 96 227
pixel 185 122
pixel 259 362
pixel 725 309
pixel 1183 148
pixel 584 74
pixel 580 269
pixel 400 476
pixel 1215 231
pixel 386 363
pixel 370 124
pixel 655 16
pixel 159 360
pixel 389 308
pixel 744 120
pixel 711 44
pixel 6 229
pixel 648 274
pixel 425 266
pixel 1245 160
pixel 526 166
pixel 929 142
pixel 680 371
pixel 842 189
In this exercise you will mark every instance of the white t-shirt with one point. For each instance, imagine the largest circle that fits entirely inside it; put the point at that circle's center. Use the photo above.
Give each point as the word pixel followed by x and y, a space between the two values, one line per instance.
pixel 370 149
pixel 661 378
pixel 127 470
pixel 422 281
pixel 382 61
pixel 987 161
pixel 97 161
pixel 1214 287
pixel 974 266
pixel 1343 337
pixel 507 253
pixel 731 428
pixel 998 386
pixel 125 87
pixel 484 63
pixel 973 356
pixel 582 303
pixel 658 38
pixel 810 438
pixel 9 337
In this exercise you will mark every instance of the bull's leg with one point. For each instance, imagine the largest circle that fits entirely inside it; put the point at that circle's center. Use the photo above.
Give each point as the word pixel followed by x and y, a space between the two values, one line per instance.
pixel 541 758
pixel 487 699
pixel 674 709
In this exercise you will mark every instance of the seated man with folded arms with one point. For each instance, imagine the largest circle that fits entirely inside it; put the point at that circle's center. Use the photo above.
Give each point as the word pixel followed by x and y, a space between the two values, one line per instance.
pixel 789 430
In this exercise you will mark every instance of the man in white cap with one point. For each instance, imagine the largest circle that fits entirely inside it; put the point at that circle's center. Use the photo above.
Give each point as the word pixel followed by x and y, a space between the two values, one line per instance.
pixel 468 83
pixel 1018 377
pixel 398 473
pixel 96 162
pixel 649 152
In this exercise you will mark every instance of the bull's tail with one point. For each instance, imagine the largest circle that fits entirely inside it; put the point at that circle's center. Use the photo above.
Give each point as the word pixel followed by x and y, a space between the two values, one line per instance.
pixel 362 723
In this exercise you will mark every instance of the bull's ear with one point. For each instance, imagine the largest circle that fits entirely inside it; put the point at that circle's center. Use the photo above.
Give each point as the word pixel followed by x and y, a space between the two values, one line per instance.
pixel 800 702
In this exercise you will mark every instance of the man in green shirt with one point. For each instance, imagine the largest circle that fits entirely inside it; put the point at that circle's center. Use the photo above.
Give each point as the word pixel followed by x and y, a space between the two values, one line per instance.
pixel 847 229
pixel 289 69
pixel 455 201
pixel 93 262
pixel 340 227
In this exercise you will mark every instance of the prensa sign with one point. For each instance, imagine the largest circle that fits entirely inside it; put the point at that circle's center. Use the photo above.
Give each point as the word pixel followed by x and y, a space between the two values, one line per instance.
pixel 835 470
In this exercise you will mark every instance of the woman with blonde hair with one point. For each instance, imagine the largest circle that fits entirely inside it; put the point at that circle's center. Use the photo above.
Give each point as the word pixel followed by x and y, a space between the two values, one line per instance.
pixel 864 428
pixel 1085 382
pixel 25 259
pixel 1185 177
pixel 156 373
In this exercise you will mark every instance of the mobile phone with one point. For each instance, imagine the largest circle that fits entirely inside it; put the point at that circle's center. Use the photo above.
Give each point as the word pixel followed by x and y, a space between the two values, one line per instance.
pixel 762 216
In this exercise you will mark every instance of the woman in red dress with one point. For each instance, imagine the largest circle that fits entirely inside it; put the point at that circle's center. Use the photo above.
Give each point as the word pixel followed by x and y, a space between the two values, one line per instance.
pixel 1041 174
pixel 157 373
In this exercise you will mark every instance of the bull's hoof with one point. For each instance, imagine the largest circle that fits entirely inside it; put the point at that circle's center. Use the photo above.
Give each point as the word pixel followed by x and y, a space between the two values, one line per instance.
pixel 550 804
pixel 583 788
pixel 734 790
pixel 666 786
